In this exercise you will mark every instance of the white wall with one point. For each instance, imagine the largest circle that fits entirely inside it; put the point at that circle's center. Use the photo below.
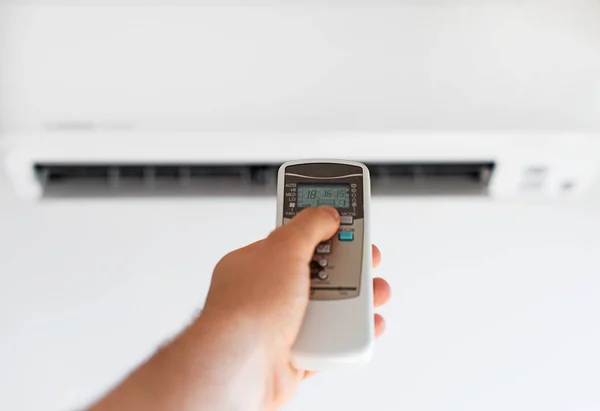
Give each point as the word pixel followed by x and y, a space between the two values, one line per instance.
pixel 404 65
pixel 495 306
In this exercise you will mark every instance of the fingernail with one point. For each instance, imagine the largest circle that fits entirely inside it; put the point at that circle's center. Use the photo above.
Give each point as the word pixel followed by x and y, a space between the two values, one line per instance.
pixel 332 211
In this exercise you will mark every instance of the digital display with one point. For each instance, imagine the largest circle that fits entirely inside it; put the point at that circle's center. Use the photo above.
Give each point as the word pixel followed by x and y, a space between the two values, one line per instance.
pixel 336 195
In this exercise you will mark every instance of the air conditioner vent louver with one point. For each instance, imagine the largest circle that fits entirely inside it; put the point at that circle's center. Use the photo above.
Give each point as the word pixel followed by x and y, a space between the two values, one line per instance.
pixel 135 180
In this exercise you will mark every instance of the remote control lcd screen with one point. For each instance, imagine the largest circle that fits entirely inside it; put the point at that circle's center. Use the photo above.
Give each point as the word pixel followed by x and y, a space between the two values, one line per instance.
pixel 336 195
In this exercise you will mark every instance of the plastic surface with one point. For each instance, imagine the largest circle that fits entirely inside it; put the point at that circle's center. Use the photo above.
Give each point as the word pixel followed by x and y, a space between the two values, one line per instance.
pixel 337 333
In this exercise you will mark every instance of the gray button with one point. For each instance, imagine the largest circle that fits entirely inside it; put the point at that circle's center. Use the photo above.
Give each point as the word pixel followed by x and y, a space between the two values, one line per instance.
pixel 346 219
pixel 323 263
pixel 323 275
pixel 324 248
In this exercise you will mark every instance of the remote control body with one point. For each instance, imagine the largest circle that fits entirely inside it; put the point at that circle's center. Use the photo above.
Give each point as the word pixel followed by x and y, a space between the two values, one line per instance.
pixel 338 329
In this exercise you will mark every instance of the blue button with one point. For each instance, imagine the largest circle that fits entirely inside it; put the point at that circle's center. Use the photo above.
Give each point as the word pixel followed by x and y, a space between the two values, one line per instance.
pixel 346 235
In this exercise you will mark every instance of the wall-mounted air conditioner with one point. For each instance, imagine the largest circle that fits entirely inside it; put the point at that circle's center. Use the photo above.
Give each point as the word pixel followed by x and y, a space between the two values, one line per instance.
pixel 500 100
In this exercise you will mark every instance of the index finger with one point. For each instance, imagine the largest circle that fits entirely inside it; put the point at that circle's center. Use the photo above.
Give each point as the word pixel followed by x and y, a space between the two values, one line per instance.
pixel 306 230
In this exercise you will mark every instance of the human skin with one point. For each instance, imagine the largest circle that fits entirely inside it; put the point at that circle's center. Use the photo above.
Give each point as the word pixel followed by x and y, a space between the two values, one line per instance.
pixel 236 354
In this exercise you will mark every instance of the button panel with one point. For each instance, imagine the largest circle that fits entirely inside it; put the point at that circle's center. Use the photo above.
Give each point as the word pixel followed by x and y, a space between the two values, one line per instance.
pixel 335 269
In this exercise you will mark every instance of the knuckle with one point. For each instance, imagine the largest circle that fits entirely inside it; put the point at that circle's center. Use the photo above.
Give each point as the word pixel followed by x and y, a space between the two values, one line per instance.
pixel 225 260
pixel 275 233
pixel 280 236
pixel 275 238
pixel 287 237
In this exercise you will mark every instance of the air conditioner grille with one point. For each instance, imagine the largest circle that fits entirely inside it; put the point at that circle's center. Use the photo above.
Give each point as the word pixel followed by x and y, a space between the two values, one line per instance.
pixel 156 179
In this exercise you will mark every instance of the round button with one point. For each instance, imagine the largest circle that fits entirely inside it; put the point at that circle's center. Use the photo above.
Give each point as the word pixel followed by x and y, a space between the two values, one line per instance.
pixel 322 275
pixel 323 263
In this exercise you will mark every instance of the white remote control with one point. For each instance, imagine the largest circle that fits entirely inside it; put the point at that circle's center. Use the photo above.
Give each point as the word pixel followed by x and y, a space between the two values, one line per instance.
pixel 338 328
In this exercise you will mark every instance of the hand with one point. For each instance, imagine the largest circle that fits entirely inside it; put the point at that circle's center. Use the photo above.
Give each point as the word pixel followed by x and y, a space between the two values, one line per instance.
pixel 236 354
pixel 267 284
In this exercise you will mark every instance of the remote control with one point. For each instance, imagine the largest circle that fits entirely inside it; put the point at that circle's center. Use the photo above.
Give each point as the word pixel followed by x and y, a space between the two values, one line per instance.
pixel 338 328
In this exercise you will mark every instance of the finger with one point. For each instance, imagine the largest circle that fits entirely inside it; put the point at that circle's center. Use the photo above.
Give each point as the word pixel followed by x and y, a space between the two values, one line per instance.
pixel 376 256
pixel 379 325
pixel 381 292
pixel 306 230
pixel 308 374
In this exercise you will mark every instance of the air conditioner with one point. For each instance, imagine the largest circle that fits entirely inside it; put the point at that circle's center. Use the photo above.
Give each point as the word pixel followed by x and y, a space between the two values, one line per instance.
pixel 496 101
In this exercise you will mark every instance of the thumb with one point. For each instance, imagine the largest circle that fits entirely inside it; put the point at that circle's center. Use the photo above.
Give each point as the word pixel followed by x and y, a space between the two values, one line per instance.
pixel 306 230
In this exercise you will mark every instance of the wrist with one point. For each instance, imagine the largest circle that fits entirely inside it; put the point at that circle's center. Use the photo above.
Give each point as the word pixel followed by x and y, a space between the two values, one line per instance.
pixel 254 323
pixel 233 358
pixel 226 330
